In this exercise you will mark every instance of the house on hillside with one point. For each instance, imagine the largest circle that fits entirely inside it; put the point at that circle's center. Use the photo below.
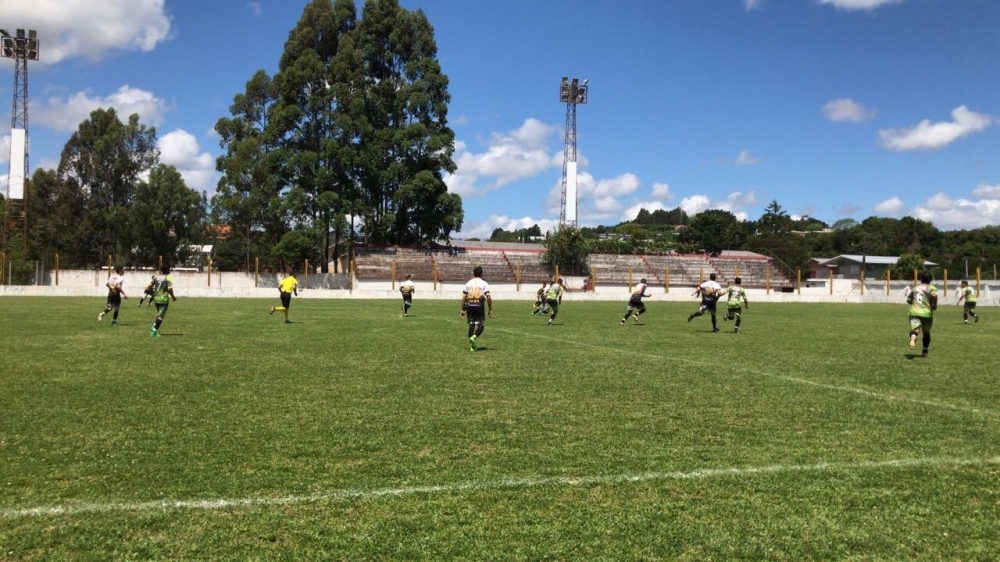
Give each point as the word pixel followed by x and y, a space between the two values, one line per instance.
pixel 848 266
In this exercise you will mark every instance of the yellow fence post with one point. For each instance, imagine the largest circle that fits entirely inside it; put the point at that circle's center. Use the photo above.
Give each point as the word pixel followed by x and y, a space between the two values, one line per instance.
pixel 978 279
pixel 630 278
pixel 350 278
pixel 518 278
pixel 701 276
pixel 888 278
pixel 862 280
pixel 798 280
pixel 109 266
pixel 946 282
pixel 666 280
pixel 305 270
pixel 557 272
pixel 914 277
pixel 256 271
pixel 435 276
pixel 393 275
pixel 159 263
pixel 593 278
pixel 57 270
pixel 831 281
pixel 209 269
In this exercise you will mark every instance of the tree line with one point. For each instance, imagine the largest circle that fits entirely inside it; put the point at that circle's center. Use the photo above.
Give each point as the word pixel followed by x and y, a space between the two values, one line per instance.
pixel 793 242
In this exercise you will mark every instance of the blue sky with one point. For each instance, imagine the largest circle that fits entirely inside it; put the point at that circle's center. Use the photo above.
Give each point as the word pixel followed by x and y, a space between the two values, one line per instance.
pixel 833 108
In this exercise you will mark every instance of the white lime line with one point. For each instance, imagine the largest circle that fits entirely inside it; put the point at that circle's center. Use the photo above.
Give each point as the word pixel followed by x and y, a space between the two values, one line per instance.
pixel 862 391
pixel 81 508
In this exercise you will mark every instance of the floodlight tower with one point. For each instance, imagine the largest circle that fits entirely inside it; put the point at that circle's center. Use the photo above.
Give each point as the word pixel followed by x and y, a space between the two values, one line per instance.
pixel 571 92
pixel 21 47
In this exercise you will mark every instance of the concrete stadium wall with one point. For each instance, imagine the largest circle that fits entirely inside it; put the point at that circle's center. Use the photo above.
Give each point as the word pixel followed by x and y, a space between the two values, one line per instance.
pixel 338 286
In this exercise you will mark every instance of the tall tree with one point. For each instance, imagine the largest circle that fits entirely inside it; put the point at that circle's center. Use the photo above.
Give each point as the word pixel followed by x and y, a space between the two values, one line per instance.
pixel 55 226
pixel 406 145
pixel 247 196
pixel 106 157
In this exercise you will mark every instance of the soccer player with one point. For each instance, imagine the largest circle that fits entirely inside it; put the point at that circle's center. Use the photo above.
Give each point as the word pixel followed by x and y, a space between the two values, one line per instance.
pixel 635 306
pixel 407 288
pixel 736 301
pixel 115 294
pixel 162 287
pixel 540 300
pixel 476 297
pixel 553 298
pixel 709 292
pixel 969 294
pixel 286 288
pixel 923 302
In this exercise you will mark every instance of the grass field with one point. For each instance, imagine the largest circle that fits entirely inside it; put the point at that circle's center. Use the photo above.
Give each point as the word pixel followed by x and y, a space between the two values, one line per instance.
pixel 356 434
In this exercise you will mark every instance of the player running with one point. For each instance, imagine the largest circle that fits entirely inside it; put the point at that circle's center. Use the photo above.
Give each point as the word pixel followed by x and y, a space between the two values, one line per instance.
pixel 286 288
pixel 709 292
pixel 923 302
pixel 553 298
pixel 115 295
pixel 969 294
pixel 476 297
pixel 540 301
pixel 635 306
pixel 407 288
pixel 736 301
pixel 162 287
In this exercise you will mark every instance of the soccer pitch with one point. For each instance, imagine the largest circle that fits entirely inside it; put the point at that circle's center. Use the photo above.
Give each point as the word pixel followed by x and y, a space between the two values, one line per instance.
pixel 354 433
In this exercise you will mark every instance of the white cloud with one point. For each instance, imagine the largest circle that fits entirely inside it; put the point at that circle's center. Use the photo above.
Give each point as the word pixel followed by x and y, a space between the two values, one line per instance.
pixel 947 213
pixel 180 149
pixel 483 229
pixel 624 184
pixel 633 211
pixel 847 110
pixel 4 149
pixel 518 154
pixel 744 158
pixel 933 136
pixel 736 203
pixel 892 206
pixel 84 28
pixel 606 205
pixel 859 4
pixel 66 114
pixel 256 8
pixel 661 191
pixel 989 191
pixel 750 5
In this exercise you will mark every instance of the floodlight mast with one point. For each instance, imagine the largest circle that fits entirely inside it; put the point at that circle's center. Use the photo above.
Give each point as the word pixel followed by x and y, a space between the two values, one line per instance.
pixel 571 92
pixel 21 47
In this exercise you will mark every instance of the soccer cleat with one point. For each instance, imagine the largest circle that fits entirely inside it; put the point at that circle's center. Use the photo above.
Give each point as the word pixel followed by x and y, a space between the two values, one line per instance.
pixel 140 304
pixel 635 317
pixel 288 321
pixel 913 341
pixel 715 330
pixel 549 323
pixel 976 320
pixel 690 317
pixel 114 323
pixel 966 322
pixel 622 322
pixel 736 330
pixel 100 317
pixel 153 334
pixel 472 343
pixel 272 310
pixel 923 353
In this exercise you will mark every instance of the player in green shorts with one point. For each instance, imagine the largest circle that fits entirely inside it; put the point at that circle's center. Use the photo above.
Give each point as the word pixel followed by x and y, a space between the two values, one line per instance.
pixel 553 298
pixel 969 294
pixel 923 302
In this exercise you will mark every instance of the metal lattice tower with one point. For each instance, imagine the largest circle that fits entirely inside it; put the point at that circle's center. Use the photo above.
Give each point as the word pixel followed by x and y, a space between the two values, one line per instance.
pixel 21 47
pixel 571 92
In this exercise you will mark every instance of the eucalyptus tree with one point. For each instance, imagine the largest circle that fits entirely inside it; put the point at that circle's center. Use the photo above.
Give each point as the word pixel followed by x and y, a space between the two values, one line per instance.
pixel 315 132
pixel 248 193
pixel 406 145
pixel 106 158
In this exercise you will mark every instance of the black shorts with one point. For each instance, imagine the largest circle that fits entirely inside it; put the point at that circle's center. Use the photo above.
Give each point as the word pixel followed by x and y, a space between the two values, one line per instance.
pixel 286 299
pixel 475 315
pixel 408 298
pixel 114 299
pixel 708 305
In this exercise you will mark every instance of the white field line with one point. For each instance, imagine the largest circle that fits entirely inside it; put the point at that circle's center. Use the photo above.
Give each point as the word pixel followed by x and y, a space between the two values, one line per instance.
pixel 79 508
pixel 862 391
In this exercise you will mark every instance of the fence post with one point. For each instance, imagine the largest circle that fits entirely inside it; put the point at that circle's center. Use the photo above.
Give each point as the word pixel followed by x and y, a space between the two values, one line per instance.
pixel 557 272
pixel 306 271
pixel 209 270
pixel 3 266
pixel 392 275
pixel 830 271
pixel 256 271
pixel 914 277
pixel 630 278
pixel 57 270
pixel 861 278
pixel 435 276
pixel 518 278
pixel 593 279
pixel 666 280
pixel 767 281
pixel 159 263
pixel 109 266
pixel 350 278
pixel 978 279
pixel 946 282
pixel 798 281
pixel 888 278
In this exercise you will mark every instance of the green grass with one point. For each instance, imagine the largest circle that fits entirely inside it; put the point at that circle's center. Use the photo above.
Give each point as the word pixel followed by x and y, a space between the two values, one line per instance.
pixel 356 434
